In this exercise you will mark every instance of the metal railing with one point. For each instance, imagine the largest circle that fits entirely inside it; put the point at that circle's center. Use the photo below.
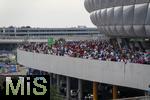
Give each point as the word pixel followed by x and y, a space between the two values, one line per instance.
pixel 136 98
pixel 93 37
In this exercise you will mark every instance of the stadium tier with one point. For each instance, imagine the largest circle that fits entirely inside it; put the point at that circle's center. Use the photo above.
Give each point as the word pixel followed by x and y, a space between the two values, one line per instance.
pixel 27 31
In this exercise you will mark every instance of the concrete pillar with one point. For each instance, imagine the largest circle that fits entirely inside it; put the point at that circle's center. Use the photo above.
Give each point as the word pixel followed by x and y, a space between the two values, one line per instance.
pixel 40 72
pixel 79 89
pixel 57 83
pixel 15 31
pixel 95 95
pixel 68 88
pixel 114 92
pixel 50 79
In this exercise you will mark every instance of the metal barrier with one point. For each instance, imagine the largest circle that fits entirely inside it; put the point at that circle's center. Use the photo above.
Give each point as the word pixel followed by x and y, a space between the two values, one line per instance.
pixel 136 98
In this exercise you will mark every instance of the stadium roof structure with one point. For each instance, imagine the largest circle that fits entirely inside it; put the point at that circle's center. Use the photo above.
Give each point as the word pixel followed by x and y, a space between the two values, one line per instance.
pixel 126 18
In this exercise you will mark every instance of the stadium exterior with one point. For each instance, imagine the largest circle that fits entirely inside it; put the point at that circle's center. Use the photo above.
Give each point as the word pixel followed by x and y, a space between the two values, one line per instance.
pixel 11 36
pixel 122 18
pixel 119 18
pixel 34 32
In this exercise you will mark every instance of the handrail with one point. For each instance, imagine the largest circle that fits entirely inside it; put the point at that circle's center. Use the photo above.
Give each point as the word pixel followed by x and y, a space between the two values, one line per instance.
pixel 136 98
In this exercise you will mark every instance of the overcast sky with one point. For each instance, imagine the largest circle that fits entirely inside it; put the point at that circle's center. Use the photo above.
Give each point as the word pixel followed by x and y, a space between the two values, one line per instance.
pixel 43 13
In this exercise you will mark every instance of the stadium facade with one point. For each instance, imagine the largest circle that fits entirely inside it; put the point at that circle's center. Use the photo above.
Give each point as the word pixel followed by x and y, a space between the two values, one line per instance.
pixel 124 18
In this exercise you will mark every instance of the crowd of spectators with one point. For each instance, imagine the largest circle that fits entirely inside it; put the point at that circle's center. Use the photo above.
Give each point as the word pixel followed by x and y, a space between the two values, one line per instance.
pixel 103 50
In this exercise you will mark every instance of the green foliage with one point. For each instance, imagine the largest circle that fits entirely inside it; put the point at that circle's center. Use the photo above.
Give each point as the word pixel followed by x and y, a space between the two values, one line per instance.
pixel 54 94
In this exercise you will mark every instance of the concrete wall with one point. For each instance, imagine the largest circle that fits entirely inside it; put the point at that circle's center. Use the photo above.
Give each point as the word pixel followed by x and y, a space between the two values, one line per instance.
pixel 130 75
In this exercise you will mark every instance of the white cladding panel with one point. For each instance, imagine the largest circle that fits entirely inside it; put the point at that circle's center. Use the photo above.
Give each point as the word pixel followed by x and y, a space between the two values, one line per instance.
pixel 126 17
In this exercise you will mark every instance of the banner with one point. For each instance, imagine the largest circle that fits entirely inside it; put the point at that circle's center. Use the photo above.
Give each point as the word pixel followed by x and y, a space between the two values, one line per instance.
pixel 12 68
pixel 51 41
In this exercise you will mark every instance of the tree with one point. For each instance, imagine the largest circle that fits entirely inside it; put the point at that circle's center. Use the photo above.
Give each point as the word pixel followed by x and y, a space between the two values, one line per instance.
pixel 54 94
